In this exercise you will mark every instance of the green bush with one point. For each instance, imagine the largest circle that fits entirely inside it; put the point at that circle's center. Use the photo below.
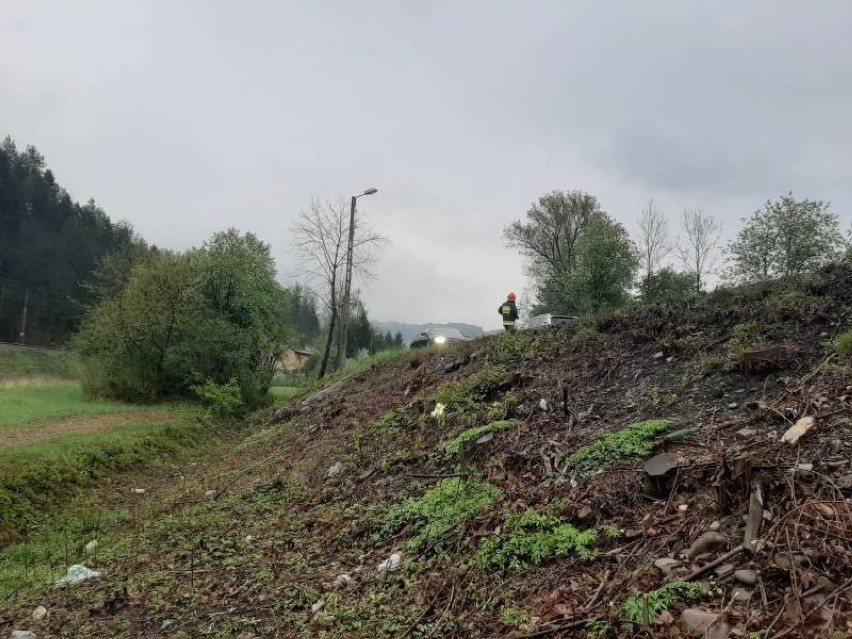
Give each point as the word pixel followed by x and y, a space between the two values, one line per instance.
pixel 632 442
pixel 223 400
pixel 214 313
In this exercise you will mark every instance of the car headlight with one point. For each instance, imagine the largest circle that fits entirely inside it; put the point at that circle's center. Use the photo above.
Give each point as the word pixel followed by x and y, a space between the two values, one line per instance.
pixel 440 339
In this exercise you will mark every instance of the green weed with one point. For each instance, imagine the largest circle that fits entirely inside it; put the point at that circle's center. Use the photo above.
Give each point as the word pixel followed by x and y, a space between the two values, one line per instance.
pixel 512 347
pixel 743 337
pixel 632 442
pixel 642 609
pixel 463 399
pixel 533 538
pixel 514 617
pixel 455 446
pixel 440 511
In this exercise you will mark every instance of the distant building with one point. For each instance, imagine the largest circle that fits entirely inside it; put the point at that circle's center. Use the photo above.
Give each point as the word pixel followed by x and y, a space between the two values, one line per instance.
pixel 294 359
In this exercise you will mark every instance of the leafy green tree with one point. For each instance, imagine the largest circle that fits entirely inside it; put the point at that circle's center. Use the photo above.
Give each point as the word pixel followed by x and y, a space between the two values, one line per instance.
pixel 788 238
pixel 549 238
pixel 606 262
pixel 212 314
pixel 666 286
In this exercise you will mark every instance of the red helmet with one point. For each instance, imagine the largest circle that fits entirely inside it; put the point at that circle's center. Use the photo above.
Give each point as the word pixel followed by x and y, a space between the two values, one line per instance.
pixel 511 297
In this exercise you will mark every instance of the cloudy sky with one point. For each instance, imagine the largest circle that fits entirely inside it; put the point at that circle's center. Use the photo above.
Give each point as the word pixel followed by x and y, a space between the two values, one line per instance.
pixel 185 117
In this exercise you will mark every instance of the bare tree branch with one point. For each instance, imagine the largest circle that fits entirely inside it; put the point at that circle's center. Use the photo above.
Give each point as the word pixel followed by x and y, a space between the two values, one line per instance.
pixel 698 249
pixel 320 236
pixel 653 238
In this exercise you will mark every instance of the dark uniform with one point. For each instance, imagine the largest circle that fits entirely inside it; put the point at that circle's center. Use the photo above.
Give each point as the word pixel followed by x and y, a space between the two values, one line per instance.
pixel 510 314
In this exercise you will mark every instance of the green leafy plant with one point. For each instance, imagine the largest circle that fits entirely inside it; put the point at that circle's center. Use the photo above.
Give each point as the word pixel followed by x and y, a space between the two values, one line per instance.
pixel 464 399
pixel 455 446
pixel 533 538
pixel 440 511
pixel 514 617
pixel 743 337
pixel 644 608
pixel 597 629
pixel 632 442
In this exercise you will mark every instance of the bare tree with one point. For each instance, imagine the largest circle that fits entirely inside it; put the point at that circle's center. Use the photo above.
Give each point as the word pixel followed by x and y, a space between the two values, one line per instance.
pixel 653 238
pixel 698 249
pixel 320 236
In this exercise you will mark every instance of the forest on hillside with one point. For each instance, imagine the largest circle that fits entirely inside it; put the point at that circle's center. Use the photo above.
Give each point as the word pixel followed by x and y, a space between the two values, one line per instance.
pixel 50 246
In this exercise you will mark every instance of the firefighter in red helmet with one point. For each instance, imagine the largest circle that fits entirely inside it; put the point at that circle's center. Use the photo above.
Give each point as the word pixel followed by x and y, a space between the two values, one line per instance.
pixel 509 311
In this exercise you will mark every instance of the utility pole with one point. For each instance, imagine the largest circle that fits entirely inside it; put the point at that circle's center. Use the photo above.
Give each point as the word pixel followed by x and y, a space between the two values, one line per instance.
pixel 23 334
pixel 347 291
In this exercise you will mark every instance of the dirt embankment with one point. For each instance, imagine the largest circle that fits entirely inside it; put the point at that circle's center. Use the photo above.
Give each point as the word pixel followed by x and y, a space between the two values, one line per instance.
pixel 545 520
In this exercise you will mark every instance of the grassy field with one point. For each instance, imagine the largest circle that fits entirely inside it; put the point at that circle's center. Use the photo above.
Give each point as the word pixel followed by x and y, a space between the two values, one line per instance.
pixel 21 365
pixel 26 404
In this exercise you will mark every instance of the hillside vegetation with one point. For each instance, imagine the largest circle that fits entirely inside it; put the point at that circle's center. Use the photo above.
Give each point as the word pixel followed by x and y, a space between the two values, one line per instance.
pixel 504 490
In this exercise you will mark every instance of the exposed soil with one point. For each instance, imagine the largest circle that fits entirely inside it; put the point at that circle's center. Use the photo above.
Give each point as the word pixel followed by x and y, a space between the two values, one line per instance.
pixel 263 555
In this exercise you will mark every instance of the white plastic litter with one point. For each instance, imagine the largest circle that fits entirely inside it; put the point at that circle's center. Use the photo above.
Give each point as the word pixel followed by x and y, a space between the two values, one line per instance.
pixel 76 574
pixel 211 494
pixel 795 432
pixel 139 491
pixel 91 545
pixel 543 405
pixel 334 470
pixel 391 563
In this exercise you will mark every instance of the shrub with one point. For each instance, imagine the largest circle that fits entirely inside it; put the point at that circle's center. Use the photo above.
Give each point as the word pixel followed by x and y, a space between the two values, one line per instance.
pixel 214 313
pixel 632 442
pixel 223 400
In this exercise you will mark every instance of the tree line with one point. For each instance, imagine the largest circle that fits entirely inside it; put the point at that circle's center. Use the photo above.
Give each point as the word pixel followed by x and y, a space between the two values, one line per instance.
pixel 581 259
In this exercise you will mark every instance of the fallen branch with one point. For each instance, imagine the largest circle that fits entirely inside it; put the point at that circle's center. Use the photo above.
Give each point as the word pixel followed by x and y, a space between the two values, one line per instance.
pixel 716 562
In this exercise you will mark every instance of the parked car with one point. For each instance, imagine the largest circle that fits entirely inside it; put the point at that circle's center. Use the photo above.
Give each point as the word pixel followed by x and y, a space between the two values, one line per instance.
pixel 548 319
pixel 438 336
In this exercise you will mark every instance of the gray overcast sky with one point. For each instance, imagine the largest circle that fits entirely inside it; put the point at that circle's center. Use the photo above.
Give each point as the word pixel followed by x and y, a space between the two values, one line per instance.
pixel 189 116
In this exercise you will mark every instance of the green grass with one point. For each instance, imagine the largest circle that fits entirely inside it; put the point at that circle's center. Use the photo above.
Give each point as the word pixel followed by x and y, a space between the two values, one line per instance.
pixel 37 479
pixel 15 364
pixel 286 393
pixel 29 404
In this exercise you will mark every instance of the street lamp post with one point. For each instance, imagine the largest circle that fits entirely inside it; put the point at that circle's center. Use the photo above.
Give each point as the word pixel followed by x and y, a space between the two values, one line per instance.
pixel 347 291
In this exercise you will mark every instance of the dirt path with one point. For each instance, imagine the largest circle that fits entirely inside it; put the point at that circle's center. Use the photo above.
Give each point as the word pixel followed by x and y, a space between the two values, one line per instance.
pixel 41 431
